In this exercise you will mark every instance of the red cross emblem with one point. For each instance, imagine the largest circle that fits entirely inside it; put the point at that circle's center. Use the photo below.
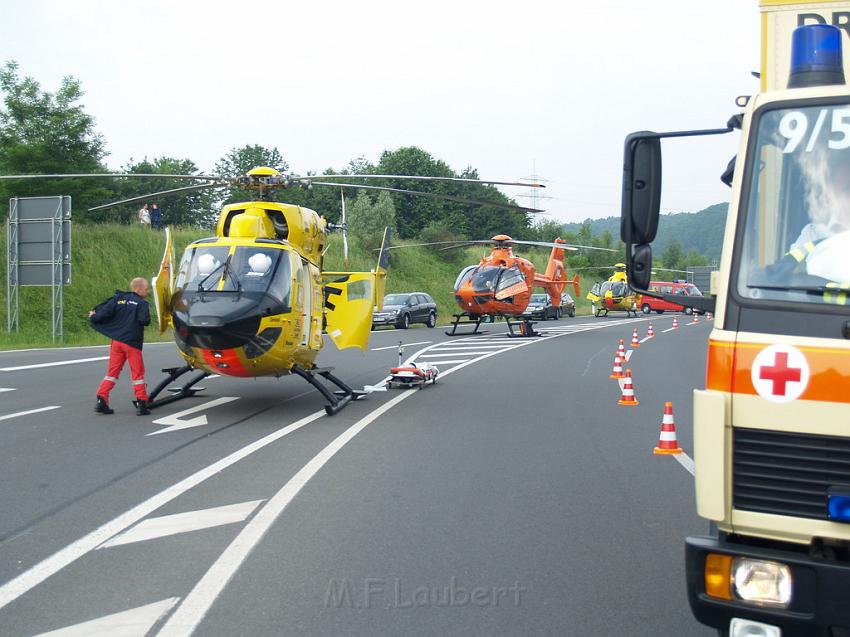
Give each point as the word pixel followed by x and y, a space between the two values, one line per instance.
pixel 780 373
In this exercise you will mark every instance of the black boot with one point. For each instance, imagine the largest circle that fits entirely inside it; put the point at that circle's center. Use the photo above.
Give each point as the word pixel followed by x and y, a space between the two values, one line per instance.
pixel 142 407
pixel 102 407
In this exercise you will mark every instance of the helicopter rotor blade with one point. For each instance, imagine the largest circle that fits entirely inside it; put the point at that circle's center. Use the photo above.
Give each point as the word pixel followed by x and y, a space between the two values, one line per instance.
pixel 453 244
pixel 489 182
pixel 565 246
pixel 129 175
pixel 162 193
pixel 431 195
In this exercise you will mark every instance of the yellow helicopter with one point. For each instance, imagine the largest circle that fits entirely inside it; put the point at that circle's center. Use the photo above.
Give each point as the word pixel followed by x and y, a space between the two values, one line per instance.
pixel 254 300
pixel 614 294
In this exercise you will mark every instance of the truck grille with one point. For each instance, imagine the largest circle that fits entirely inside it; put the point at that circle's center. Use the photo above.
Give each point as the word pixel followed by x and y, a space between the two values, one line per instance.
pixel 787 473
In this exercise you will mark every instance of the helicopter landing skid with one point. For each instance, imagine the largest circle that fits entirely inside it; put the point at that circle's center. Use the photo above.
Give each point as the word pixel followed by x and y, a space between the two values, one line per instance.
pixel 458 320
pixel 526 328
pixel 177 393
pixel 337 399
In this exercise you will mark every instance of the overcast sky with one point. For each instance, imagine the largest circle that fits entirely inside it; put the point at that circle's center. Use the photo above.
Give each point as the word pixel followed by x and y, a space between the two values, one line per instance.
pixel 509 88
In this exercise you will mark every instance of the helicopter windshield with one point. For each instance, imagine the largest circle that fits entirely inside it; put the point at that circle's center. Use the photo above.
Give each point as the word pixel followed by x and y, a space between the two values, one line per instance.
pixel 510 276
pixel 464 276
pixel 252 270
pixel 618 288
pixel 484 278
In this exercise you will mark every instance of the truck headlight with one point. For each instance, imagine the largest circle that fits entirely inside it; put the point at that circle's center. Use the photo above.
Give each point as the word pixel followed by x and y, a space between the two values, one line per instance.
pixel 762 582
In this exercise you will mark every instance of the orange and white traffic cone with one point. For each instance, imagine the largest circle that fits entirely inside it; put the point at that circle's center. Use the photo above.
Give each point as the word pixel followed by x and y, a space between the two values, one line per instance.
pixel 635 342
pixel 650 333
pixel 708 316
pixel 675 323
pixel 621 350
pixel 696 317
pixel 628 398
pixel 667 442
pixel 618 367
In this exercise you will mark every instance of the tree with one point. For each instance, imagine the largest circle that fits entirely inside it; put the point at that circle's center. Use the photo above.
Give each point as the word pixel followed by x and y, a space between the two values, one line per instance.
pixel 366 220
pixel 192 208
pixel 672 255
pixel 46 133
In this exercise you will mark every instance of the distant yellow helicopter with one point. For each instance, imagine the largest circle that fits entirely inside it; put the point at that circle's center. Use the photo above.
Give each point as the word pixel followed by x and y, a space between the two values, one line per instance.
pixel 614 294
pixel 254 299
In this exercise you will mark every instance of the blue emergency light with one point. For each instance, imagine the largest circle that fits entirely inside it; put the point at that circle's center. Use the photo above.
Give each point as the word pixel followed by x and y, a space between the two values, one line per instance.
pixel 838 504
pixel 816 56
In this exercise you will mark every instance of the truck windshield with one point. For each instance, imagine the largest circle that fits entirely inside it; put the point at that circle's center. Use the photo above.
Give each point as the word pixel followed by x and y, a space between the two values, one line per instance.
pixel 796 233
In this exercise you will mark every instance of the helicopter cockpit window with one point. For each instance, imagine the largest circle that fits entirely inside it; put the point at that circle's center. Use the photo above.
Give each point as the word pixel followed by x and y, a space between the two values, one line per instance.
pixel 510 276
pixel 796 222
pixel 260 270
pixel 202 266
pixel 618 288
pixel 464 276
pixel 484 278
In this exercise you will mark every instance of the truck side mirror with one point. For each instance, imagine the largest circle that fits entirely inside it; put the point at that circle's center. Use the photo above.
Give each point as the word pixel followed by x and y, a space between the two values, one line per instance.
pixel 641 270
pixel 641 188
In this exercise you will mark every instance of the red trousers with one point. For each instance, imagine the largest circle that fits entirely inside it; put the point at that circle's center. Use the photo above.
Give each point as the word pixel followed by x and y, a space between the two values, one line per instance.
pixel 119 353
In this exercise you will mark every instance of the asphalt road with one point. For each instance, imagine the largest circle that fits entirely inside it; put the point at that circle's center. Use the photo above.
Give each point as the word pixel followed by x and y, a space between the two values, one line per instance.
pixel 513 497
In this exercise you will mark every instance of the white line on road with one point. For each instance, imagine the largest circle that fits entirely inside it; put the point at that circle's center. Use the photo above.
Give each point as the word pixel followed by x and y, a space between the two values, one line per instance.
pixel 669 329
pixel 686 461
pixel 629 354
pixel 154 528
pixel 644 339
pixel 461 360
pixel 378 349
pixel 4 389
pixel 135 622
pixel 31 411
pixel 13 589
pixel 434 354
pixel 56 364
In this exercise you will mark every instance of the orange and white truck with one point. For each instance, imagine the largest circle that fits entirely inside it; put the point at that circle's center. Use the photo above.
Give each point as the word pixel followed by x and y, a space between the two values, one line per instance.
pixel 772 425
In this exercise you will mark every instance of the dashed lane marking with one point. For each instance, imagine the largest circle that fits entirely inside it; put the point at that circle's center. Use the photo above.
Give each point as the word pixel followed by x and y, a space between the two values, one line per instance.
pixel 378 349
pixel 4 389
pixel 686 461
pixel 56 364
pixel 30 411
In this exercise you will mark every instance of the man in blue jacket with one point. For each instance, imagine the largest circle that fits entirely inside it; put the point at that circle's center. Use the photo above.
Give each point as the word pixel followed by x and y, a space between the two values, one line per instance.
pixel 123 319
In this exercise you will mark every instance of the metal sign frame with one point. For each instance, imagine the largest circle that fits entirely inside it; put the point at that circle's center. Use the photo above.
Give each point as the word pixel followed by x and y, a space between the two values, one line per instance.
pixel 42 221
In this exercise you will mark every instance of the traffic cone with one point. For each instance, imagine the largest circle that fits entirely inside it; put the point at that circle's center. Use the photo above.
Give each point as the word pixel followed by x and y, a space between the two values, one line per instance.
pixel 696 317
pixel 628 398
pixel 621 350
pixel 667 442
pixel 618 367
pixel 708 316
pixel 650 333
pixel 635 342
pixel 675 323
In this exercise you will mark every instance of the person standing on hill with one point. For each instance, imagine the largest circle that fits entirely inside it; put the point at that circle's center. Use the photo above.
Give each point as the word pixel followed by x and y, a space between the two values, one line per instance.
pixel 123 319
pixel 156 217
pixel 145 216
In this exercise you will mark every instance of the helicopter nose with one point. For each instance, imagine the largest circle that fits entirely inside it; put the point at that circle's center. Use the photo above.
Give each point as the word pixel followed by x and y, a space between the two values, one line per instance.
pixel 213 332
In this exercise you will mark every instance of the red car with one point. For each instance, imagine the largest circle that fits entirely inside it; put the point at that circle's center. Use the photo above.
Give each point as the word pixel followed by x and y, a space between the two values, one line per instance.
pixel 650 304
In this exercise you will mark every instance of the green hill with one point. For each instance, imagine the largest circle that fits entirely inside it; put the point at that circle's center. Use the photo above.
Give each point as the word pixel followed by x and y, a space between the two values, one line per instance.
pixel 105 257
pixel 701 231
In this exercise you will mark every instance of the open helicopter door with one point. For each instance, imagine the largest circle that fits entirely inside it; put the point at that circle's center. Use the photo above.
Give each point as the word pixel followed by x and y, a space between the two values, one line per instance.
pixel 350 299
pixel 163 284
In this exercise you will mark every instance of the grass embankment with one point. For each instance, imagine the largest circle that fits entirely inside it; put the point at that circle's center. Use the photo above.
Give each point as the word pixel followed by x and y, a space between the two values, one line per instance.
pixel 105 257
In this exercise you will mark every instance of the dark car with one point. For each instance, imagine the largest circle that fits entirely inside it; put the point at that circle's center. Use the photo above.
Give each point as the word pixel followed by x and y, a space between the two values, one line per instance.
pixel 568 305
pixel 400 310
pixel 540 307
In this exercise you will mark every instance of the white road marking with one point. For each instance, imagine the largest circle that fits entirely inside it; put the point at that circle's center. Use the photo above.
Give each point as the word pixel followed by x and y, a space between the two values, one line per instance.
pixel 629 353
pixel 56 364
pixel 645 339
pixel 135 622
pixel 26 413
pixel 433 354
pixel 59 349
pixel 460 346
pixel 175 424
pixel 686 461
pixel 461 360
pixel 13 589
pixel 166 525
pixel 4 389
pixel 669 329
pixel 378 349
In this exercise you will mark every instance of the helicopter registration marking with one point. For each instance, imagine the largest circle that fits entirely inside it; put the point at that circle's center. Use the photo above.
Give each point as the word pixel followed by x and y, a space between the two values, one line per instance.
pixel 175 424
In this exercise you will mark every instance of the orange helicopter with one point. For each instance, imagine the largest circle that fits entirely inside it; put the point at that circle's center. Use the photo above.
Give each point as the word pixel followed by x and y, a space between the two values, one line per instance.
pixel 501 284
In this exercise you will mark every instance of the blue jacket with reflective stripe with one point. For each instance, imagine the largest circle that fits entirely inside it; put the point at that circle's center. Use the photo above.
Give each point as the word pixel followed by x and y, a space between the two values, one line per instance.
pixel 123 318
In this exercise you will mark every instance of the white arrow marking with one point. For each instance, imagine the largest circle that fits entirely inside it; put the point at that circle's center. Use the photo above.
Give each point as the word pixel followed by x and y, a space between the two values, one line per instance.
pixel 184 523
pixel 175 424
pixel 135 622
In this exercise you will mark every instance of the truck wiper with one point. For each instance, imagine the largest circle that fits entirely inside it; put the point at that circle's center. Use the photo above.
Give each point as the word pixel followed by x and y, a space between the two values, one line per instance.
pixel 224 265
pixel 811 289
